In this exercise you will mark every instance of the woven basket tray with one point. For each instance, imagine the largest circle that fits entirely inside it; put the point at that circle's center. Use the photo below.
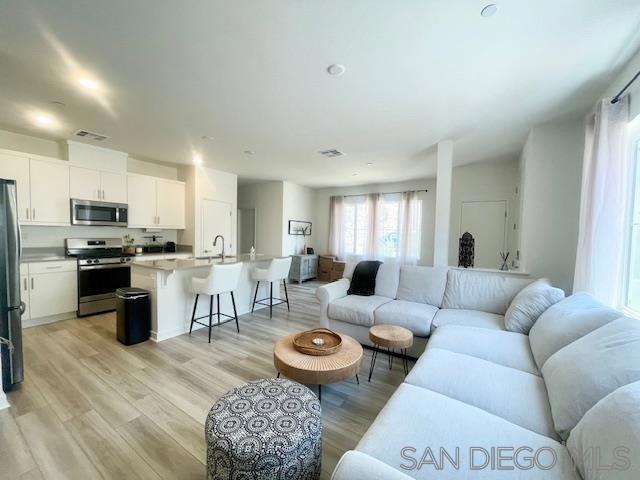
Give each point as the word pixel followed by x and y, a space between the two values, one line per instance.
pixel 303 342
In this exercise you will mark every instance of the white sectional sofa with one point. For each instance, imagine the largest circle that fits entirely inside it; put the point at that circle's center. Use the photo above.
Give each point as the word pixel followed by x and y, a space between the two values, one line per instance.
pixel 513 400
pixel 420 299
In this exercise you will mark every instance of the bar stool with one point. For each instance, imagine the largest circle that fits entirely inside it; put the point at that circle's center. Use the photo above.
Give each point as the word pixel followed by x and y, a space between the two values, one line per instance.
pixel 223 278
pixel 278 270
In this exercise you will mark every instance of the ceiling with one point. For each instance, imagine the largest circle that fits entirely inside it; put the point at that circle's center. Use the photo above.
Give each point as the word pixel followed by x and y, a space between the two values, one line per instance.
pixel 251 75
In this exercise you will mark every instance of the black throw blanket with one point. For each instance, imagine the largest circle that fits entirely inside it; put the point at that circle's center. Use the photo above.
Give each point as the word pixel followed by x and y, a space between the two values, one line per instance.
pixel 363 281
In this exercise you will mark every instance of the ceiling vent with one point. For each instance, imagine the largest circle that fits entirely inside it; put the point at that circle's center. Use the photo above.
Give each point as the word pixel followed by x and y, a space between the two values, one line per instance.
pixel 91 135
pixel 331 153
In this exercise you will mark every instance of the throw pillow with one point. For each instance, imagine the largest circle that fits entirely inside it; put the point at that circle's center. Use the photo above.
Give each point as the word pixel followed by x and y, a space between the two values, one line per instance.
pixel 531 302
pixel 363 281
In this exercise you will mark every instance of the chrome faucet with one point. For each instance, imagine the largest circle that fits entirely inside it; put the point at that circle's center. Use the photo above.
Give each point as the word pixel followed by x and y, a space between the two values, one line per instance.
pixel 215 241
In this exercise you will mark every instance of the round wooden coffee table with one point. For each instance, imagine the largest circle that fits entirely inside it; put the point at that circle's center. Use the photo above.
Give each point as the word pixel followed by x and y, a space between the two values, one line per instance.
pixel 390 337
pixel 318 370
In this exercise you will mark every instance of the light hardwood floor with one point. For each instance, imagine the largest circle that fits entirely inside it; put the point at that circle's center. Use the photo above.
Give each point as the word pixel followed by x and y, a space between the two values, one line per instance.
pixel 93 408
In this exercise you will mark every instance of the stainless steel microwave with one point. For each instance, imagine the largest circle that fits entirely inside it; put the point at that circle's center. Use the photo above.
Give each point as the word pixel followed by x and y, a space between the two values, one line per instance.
pixel 89 212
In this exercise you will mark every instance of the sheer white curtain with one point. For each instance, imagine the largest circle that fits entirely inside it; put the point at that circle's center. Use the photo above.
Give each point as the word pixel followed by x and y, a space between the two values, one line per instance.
pixel 375 226
pixel 603 203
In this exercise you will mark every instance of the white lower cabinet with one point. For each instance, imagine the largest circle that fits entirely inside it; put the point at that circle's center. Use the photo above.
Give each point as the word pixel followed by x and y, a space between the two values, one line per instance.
pixel 49 289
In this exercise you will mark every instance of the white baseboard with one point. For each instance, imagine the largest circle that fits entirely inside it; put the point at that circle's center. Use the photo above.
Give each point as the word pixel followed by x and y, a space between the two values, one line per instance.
pixel 34 322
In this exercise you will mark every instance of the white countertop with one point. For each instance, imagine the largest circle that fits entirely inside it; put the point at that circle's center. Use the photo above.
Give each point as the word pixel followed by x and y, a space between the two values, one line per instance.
pixel 191 263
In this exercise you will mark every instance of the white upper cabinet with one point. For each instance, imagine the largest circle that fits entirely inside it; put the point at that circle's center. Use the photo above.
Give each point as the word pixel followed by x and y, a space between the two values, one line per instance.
pixel 89 184
pixel 142 201
pixel 156 202
pixel 84 183
pixel 49 192
pixel 13 167
pixel 170 203
pixel 114 187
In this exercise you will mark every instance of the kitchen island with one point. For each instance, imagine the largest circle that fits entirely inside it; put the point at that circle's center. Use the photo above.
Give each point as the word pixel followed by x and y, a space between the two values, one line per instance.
pixel 169 282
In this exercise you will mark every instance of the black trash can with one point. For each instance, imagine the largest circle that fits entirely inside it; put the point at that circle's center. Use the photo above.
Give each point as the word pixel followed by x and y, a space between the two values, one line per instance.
pixel 133 306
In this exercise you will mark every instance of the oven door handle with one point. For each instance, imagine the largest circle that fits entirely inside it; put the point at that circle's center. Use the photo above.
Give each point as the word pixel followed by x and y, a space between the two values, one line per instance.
pixel 104 267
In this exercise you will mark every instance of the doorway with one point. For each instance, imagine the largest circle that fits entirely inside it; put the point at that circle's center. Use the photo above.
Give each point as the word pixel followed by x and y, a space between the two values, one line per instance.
pixel 216 220
pixel 487 222
pixel 246 229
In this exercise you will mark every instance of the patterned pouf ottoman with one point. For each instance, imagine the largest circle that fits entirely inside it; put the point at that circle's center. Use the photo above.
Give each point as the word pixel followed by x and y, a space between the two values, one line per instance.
pixel 268 429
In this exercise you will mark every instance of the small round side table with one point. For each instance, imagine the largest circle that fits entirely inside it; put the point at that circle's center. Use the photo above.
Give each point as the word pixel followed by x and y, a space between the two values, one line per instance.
pixel 390 337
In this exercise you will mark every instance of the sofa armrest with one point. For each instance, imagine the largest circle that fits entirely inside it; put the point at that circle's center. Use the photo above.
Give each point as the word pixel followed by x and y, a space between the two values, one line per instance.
pixel 327 294
pixel 356 465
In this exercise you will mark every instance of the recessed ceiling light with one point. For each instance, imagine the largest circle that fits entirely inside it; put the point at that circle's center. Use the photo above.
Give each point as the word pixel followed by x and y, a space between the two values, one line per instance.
pixel 336 69
pixel 197 158
pixel 249 152
pixel 489 11
pixel 88 83
pixel 354 174
pixel 44 120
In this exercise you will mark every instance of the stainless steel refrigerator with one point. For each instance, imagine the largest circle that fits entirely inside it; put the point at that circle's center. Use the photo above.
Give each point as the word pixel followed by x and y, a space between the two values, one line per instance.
pixel 11 308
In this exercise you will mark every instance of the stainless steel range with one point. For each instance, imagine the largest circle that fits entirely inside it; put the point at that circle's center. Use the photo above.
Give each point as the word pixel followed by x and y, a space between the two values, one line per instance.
pixel 102 268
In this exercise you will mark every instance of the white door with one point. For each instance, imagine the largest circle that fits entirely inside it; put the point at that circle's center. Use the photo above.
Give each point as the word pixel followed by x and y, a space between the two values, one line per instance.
pixel 17 168
pixel 84 183
pixel 246 229
pixel 24 296
pixel 114 187
pixel 170 200
pixel 487 222
pixel 141 194
pixel 53 293
pixel 49 192
pixel 216 220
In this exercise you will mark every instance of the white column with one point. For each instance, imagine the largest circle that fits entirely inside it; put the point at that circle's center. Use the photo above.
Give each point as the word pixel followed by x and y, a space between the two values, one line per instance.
pixel 444 173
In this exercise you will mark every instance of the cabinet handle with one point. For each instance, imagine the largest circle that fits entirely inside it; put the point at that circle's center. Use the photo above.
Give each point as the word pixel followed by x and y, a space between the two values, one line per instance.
pixel 158 219
pixel 98 194
pixel 32 284
pixel 103 197
pixel 33 215
pixel 54 268
pixel 25 284
pixel 27 213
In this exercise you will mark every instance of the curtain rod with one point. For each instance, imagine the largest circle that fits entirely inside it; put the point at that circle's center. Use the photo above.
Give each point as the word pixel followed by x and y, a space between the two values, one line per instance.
pixel 616 99
pixel 380 193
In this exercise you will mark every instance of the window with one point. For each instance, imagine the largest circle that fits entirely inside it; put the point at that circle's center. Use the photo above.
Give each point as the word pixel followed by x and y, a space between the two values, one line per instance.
pixel 385 227
pixel 631 300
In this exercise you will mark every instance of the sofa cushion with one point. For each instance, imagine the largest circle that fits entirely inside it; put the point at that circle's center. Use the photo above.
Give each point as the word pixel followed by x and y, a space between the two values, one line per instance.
pixel 355 465
pixel 471 318
pixel 416 317
pixel 356 309
pixel 479 342
pixel 419 418
pixel 565 322
pixel 585 371
pixel 531 302
pixel 422 284
pixel 514 395
pixel 487 292
pixel 387 280
pixel 612 428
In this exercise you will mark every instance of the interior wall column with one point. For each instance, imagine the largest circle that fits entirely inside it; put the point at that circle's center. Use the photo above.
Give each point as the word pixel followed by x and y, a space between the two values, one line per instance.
pixel 444 174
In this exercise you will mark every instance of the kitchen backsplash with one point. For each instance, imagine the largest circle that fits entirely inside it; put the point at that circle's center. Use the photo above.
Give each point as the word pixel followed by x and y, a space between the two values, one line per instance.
pixel 33 236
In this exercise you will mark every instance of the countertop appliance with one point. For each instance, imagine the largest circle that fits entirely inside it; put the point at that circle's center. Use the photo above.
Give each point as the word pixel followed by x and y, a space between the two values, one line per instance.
pixel 170 247
pixel 102 269
pixel 89 212
pixel 11 306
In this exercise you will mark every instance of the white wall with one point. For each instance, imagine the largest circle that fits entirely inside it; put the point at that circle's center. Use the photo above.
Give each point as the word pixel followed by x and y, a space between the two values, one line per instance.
pixel 298 203
pixel 551 181
pixel 483 182
pixel 321 225
pixel 152 169
pixel 621 80
pixel 267 199
pixel 34 236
